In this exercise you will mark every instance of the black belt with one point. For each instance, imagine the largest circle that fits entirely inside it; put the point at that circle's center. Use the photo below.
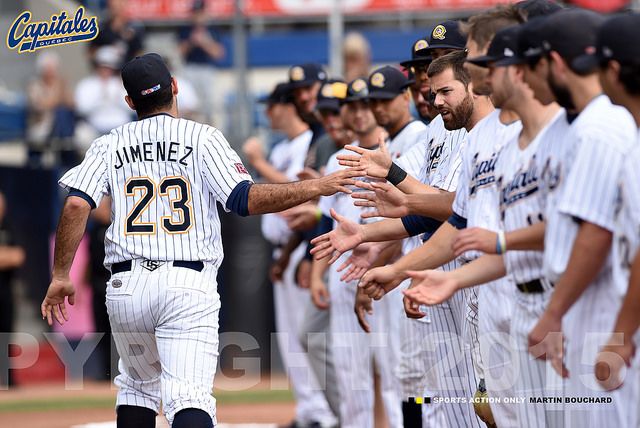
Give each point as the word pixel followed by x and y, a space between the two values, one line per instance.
pixel 533 286
pixel 153 265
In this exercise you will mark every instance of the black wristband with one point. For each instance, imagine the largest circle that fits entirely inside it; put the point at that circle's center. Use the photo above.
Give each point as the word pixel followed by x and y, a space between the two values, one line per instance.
pixel 396 174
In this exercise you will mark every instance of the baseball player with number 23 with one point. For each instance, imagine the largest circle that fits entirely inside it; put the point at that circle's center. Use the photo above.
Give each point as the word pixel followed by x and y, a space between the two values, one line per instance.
pixel 164 175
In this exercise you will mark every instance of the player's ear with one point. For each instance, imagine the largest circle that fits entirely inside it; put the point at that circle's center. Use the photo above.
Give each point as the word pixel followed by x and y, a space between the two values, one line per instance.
pixel 174 86
pixel 129 101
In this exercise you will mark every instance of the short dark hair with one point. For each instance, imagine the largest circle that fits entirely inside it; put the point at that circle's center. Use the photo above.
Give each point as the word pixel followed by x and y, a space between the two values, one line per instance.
pixel 482 27
pixel 630 77
pixel 151 104
pixel 455 61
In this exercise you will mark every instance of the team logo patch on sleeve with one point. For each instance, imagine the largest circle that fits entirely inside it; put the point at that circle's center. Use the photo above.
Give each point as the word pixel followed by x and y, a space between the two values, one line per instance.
pixel 240 168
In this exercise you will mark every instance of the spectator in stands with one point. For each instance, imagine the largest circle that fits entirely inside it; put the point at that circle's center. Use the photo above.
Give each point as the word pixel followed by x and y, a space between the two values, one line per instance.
pixel 356 54
pixel 118 31
pixel 201 51
pixel 50 108
pixel 11 258
pixel 100 97
pixel 188 100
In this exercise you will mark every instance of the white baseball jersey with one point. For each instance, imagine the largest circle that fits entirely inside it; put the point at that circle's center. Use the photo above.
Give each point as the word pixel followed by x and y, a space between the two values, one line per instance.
pixel 627 232
pixel 410 135
pixel 287 157
pixel 521 198
pixel 587 176
pixel 477 198
pixel 164 175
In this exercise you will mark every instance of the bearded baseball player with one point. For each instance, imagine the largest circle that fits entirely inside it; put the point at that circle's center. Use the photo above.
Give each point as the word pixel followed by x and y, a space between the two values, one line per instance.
pixel 165 176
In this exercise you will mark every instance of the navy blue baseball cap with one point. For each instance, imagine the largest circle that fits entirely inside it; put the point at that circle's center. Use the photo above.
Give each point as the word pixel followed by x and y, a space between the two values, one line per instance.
pixel 535 8
pixel 145 75
pixel 306 75
pixel 331 93
pixel 357 90
pixel 281 94
pixel 447 36
pixel 419 53
pixel 616 40
pixel 502 49
pixel 571 33
pixel 386 83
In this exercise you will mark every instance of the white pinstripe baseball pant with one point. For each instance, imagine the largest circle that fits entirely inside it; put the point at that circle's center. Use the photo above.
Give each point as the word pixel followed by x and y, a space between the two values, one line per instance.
pixel 165 326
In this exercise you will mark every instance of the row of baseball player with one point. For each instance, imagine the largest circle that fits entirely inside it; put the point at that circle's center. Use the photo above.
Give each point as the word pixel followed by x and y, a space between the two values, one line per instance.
pixel 490 184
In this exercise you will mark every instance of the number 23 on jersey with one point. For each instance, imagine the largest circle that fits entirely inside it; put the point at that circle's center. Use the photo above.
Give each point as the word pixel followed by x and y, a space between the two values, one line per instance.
pixel 178 192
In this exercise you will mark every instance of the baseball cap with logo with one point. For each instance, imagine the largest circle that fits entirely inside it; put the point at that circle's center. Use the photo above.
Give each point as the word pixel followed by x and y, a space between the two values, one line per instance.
pixel 419 53
pixel 357 90
pixel 571 33
pixel 386 83
pixel 281 94
pixel 306 75
pixel 447 36
pixel 331 93
pixel 145 75
pixel 613 42
pixel 502 49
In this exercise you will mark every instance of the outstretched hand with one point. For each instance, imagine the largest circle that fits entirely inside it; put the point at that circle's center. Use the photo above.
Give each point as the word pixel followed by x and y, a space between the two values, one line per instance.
pixel 379 281
pixel 53 305
pixel 375 163
pixel 385 199
pixel 430 287
pixel 344 237
pixel 360 260
pixel 475 238
pixel 339 180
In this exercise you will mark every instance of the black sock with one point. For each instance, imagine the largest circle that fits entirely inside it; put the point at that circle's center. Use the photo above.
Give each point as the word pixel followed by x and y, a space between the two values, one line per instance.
pixel 192 418
pixel 412 414
pixel 135 417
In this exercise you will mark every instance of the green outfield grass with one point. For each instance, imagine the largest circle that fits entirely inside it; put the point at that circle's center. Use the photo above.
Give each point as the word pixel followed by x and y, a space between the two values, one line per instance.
pixel 42 404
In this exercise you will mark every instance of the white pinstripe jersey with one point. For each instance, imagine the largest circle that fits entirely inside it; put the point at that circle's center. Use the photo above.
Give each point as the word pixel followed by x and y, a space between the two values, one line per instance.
pixel 409 136
pixel 598 140
pixel 477 198
pixel 442 166
pixel 626 238
pixel 520 194
pixel 164 175
pixel 287 157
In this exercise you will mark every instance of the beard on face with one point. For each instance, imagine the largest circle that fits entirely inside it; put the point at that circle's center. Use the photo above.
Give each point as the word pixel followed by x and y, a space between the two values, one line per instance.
pixel 459 117
pixel 562 95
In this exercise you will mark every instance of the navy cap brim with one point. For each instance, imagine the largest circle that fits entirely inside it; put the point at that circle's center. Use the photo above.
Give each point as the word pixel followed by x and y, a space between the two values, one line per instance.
pixel 585 63
pixel 354 98
pixel 511 60
pixel 444 46
pixel 383 95
pixel 411 62
pixel 482 61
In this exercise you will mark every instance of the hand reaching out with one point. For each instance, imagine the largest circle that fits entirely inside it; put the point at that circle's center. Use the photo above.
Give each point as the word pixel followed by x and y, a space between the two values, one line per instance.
pixel 475 238
pixel 359 261
pixel 430 287
pixel 346 236
pixel 375 163
pixel 385 199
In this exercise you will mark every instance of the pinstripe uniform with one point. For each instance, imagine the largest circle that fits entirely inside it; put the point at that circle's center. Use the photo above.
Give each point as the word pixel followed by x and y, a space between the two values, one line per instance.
pixel 354 351
pixel 522 202
pixel 165 176
pixel 626 241
pixel 477 201
pixel 290 301
pixel 589 193
pixel 432 344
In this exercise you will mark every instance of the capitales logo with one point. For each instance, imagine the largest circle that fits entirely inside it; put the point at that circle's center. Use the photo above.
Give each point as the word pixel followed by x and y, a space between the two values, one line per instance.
pixel 61 29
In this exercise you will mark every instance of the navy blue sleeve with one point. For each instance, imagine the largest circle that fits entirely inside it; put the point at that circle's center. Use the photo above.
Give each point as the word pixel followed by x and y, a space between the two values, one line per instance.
pixel 457 221
pixel 417 224
pixel 81 194
pixel 238 200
